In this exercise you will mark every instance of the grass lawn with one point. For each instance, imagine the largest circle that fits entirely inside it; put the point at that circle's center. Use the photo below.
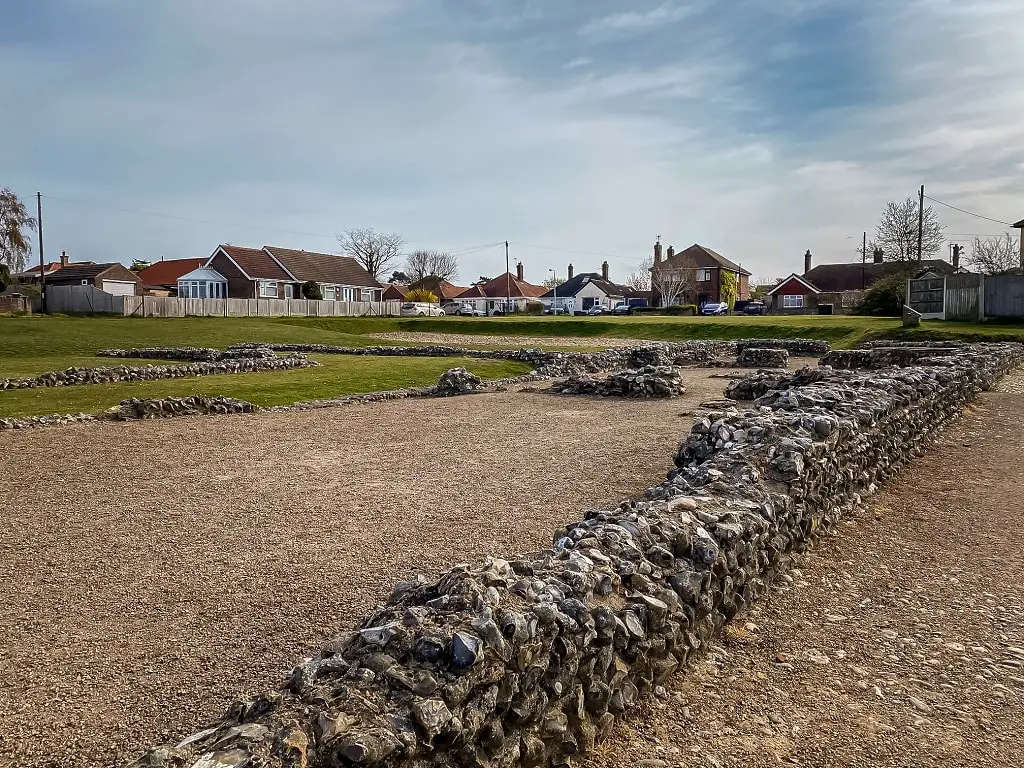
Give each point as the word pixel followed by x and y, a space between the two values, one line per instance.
pixel 32 345
pixel 337 375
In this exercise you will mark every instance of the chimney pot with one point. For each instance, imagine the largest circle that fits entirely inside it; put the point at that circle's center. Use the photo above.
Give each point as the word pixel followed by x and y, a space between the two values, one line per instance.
pixel 519 270
pixel 657 252
pixel 604 270
pixel 63 258
pixel 671 252
pixel 570 272
pixel 807 261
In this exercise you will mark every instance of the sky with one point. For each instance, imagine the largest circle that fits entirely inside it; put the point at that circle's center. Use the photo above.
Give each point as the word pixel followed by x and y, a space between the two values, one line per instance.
pixel 577 131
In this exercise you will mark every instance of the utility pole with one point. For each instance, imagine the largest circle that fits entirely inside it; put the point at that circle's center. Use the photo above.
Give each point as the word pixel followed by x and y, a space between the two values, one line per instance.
pixel 554 289
pixel 508 284
pixel 42 267
pixel 863 262
pixel 920 225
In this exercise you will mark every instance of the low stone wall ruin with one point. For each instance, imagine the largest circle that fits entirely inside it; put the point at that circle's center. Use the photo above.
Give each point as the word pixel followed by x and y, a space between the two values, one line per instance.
pixel 650 381
pixel 529 661
pixel 795 347
pixel 195 354
pixel 110 374
pixel 762 357
pixel 884 356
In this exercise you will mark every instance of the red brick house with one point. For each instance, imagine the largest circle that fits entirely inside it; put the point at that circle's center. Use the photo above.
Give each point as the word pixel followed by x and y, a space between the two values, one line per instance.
pixel 161 278
pixel 841 286
pixel 270 272
pixel 709 267
pixel 491 296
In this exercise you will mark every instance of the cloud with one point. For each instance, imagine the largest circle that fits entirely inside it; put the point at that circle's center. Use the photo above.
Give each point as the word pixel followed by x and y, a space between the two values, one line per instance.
pixel 775 128
pixel 635 22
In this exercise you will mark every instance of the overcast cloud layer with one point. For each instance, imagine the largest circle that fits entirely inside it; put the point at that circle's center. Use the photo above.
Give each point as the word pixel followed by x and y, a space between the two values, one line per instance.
pixel 759 128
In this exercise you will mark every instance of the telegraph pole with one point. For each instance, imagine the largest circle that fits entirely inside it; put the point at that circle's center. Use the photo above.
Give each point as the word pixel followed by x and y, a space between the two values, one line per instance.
pixel 42 267
pixel 508 284
pixel 920 225
pixel 863 262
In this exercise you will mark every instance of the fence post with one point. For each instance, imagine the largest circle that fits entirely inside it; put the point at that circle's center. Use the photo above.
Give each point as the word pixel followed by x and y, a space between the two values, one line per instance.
pixel 981 298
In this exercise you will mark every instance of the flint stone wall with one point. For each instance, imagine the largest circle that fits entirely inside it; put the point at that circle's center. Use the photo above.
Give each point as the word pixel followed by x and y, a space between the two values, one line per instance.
pixel 762 357
pixel 650 381
pixel 109 374
pixel 195 354
pixel 527 662
pixel 883 357
pixel 162 408
pixel 795 347
pixel 755 385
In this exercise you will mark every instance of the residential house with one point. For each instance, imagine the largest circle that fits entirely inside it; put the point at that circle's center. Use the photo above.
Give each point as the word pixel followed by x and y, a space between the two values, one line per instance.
pixel 161 278
pixel 31 275
pixel 841 286
pixel 395 292
pixel 277 273
pixel 492 295
pixel 582 292
pixel 710 268
pixel 110 278
pixel 444 290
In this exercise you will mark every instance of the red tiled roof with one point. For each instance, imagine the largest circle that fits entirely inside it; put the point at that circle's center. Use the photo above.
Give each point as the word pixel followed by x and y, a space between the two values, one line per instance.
pixel 256 263
pixel 504 285
pixel 395 291
pixel 441 288
pixel 168 272
pixel 323 267
pixel 53 266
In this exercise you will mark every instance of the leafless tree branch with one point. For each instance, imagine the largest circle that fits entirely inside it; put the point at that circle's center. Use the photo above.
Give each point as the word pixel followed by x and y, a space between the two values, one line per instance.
pixel 376 251
pixel 896 233
pixel 996 256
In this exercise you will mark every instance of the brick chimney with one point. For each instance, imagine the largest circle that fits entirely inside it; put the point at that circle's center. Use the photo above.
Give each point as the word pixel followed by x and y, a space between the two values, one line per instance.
pixel 63 258
pixel 956 256
pixel 570 272
pixel 671 253
pixel 519 270
pixel 878 255
pixel 604 270
pixel 657 252
pixel 807 261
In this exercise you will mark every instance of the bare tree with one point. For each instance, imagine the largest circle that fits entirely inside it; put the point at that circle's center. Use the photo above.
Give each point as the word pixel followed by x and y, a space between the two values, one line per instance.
pixel 439 264
pixel 675 282
pixel 896 233
pixel 996 256
pixel 553 282
pixel 640 280
pixel 15 246
pixel 376 251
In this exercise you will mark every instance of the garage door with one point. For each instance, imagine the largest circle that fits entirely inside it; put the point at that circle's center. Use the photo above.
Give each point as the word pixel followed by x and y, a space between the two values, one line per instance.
pixel 119 287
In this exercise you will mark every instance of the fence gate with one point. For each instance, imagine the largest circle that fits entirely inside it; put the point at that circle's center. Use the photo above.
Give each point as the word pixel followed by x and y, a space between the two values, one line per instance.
pixel 926 296
pixel 1004 296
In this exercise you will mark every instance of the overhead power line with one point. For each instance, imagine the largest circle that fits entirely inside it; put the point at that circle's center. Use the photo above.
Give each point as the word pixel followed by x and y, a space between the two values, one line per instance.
pixel 969 213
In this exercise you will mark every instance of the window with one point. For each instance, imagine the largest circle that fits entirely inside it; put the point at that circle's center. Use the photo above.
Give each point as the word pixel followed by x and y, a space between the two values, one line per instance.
pixel 367 294
pixel 289 291
pixel 792 302
pixel 703 275
pixel 268 289
pixel 329 292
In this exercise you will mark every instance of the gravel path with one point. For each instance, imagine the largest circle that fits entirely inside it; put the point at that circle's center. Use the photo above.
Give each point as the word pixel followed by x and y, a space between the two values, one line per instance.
pixel 151 571
pixel 899 642
pixel 509 342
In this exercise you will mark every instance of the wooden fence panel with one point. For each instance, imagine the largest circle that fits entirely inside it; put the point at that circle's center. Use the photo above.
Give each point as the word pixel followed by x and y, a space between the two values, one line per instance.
pixel 1004 296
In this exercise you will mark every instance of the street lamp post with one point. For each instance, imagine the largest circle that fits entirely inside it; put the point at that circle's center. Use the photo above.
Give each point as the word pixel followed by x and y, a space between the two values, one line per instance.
pixel 554 292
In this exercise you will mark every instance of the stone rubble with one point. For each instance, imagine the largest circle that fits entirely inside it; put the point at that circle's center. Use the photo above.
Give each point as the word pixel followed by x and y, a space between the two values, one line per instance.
pixel 161 408
pixel 762 357
pixel 458 381
pixel 529 661
pixel 876 357
pixel 754 385
pixel 195 354
pixel 649 381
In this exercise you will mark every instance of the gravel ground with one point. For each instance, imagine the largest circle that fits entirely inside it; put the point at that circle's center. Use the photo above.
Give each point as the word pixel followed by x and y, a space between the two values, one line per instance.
pixel 510 342
pixel 899 641
pixel 150 572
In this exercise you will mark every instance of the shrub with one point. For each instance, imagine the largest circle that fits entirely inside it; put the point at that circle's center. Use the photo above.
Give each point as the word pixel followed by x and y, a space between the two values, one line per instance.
pixel 885 298
pixel 729 290
pixel 533 308
pixel 681 309
pixel 311 290
pixel 421 295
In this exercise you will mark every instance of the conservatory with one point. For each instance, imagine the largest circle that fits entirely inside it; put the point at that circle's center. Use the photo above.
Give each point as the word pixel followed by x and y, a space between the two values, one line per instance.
pixel 202 283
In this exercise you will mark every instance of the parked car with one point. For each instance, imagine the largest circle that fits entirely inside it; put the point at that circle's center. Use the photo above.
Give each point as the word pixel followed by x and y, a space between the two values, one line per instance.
pixel 622 308
pixel 463 310
pixel 421 309
pixel 556 311
pixel 715 308
pixel 755 308
pixel 597 309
